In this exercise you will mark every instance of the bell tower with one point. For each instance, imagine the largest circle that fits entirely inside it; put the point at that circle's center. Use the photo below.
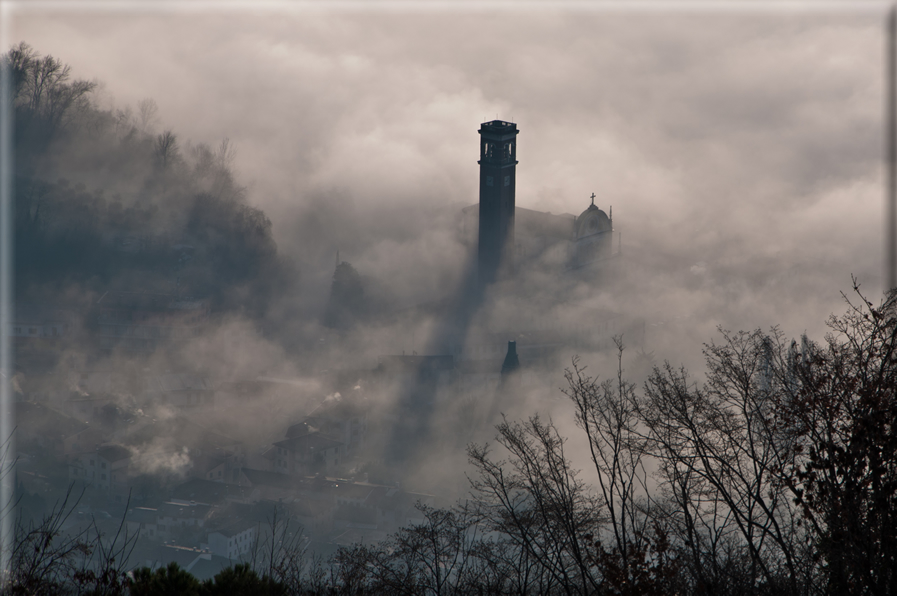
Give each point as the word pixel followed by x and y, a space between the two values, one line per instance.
pixel 498 161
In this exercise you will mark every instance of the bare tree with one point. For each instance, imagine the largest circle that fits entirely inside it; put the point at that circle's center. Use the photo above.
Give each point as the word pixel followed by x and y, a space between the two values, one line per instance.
pixel 840 409
pixel 607 413
pixel 536 499
pixel 47 559
pixel 225 154
pixel 720 457
pixel 147 115
pixel 123 122
pixel 281 554
pixel 166 150
pixel 44 98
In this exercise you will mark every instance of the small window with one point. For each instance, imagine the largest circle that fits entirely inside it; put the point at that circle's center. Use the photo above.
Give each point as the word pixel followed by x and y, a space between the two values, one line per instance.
pixel 488 180
pixel 507 181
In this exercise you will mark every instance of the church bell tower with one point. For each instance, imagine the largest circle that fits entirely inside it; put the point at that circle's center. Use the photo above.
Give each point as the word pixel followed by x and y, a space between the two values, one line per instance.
pixel 498 161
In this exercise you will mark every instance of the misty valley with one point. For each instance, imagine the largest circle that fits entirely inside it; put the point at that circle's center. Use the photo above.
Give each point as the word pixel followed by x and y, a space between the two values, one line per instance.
pixel 505 407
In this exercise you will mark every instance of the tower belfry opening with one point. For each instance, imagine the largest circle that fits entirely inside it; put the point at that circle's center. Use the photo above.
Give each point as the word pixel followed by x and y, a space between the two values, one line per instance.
pixel 498 161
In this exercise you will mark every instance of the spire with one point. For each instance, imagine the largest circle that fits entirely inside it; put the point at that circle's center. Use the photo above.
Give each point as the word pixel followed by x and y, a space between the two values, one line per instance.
pixel 337 257
pixel 593 199
pixel 511 363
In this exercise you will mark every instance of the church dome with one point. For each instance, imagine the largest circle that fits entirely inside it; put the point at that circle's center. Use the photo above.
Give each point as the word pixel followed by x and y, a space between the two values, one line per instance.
pixel 592 221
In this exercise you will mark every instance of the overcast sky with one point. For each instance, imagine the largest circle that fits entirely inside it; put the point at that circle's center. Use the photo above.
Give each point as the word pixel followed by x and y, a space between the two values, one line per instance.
pixel 745 145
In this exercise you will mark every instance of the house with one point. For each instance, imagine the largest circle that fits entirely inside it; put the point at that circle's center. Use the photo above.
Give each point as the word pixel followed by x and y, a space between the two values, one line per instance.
pixel 212 468
pixel 232 541
pixel 170 517
pixel 141 521
pixel 106 467
pixel 308 454
pixel 44 325
pixel 340 418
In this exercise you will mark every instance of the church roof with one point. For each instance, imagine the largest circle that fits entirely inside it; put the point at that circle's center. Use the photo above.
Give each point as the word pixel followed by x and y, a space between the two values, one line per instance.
pixel 592 221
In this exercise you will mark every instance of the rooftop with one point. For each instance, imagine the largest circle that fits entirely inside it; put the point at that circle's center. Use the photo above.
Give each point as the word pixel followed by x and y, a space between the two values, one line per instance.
pixel 498 125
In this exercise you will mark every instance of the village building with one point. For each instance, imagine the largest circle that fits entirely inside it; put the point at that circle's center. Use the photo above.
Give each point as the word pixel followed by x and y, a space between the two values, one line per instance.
pixel 308 454
pixel 232 541
pixel 106 467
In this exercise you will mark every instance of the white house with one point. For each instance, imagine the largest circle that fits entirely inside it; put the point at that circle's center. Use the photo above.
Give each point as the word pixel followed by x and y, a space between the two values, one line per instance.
pixel 107 467
pixel 234 541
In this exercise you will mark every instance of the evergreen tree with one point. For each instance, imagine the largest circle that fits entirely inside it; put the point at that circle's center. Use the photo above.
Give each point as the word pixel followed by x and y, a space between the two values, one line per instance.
pixel 347 304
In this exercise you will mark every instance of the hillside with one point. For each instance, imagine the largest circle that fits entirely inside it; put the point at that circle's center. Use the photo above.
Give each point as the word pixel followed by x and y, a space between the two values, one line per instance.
pixel 106 202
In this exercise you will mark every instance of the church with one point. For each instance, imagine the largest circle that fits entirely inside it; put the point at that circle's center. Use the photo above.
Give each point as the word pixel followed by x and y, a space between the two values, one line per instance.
pixel 522 313
pixel 510 242
pixel 511 238
pixel 507 244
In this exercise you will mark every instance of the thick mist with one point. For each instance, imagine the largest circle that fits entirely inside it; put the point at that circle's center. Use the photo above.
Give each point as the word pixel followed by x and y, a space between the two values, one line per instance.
pixel 741 156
